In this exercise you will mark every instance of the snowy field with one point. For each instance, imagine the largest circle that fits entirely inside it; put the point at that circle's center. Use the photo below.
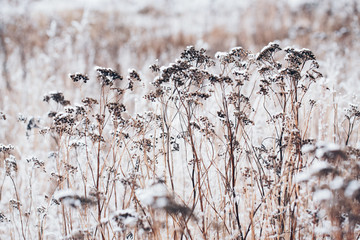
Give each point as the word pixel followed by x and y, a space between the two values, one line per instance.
pixel 201 119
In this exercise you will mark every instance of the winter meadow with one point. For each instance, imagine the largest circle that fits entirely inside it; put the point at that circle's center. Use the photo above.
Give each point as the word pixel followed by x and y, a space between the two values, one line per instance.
pixel 193 119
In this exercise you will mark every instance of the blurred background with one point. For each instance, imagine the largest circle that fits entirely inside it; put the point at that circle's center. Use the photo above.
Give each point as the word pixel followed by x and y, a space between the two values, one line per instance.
pixel 42 41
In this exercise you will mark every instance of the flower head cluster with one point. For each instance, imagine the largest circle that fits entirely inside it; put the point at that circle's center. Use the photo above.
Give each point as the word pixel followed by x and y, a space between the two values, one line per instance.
pixel 77 77
pixel 6 149
pixel 107 76
pixel 2 116
pixel 58 97
pixel 69 198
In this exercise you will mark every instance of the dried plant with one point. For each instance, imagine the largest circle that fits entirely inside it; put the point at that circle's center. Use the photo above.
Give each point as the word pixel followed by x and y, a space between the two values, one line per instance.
pixel 333 179
pixel 214 148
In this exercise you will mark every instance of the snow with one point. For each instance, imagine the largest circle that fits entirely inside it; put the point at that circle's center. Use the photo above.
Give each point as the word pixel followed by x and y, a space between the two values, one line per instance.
pixel 63 193
pixel 77 142
pixel 11 159
pixel 322 148
pixel 322 195
pixel 336 183
pixel 68 198
pixel 325 229
pixel 308 148
pixel 155 195
pixel 6 147
pixel 221 55
pixel 352 187
pixel 128 217
pixel 315 168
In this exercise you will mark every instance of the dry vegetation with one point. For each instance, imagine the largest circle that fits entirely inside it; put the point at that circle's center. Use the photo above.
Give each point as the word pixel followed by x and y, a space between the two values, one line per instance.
pixel 240 144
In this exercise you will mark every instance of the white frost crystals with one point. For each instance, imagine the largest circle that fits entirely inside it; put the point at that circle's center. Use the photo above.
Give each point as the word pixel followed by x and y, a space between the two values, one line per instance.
pixel 11 165
pixel 155 195
pixel 126 218
pixel 325 155
pixel 352 188
pixel 70 198
pixel 323 150
pixel 316 169
pixel 336 183
pixel 332 178
pixel 6 148
pixel 322 195
pixel 107 76
pixel 158 197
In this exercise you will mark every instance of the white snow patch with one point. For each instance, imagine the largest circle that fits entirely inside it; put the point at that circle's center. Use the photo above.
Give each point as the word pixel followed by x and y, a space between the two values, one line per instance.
pixel 336 183
pixel 68 197
pixel 11 159
pixel 325 229
pixel 322 148
pixel 155 195
pixel 315 168
pixel 64 193
pixel 352 187
pixel 322 195
pixel 308 148
pixel 128 217
pixel 220 55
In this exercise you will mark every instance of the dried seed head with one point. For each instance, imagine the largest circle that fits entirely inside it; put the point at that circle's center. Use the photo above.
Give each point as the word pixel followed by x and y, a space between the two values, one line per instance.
pixel 3 218
pixel 69 198
pixel 107 76
pixel 6 149
pixel 134 76
pixel 36 162
pixel 79 77
pixel 155 68
pixel 296 58
pixel 15 204
pixel 58 97
pixel 199 57
pixel 267 52
pixel 79 234
pixel 2 116
pixel 158 197
pixel 352 112
pixel 11 165
pixel 89 102
pixel 125 218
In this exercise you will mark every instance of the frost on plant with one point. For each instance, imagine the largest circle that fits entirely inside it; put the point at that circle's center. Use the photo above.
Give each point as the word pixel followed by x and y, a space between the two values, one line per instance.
pixel 227 135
